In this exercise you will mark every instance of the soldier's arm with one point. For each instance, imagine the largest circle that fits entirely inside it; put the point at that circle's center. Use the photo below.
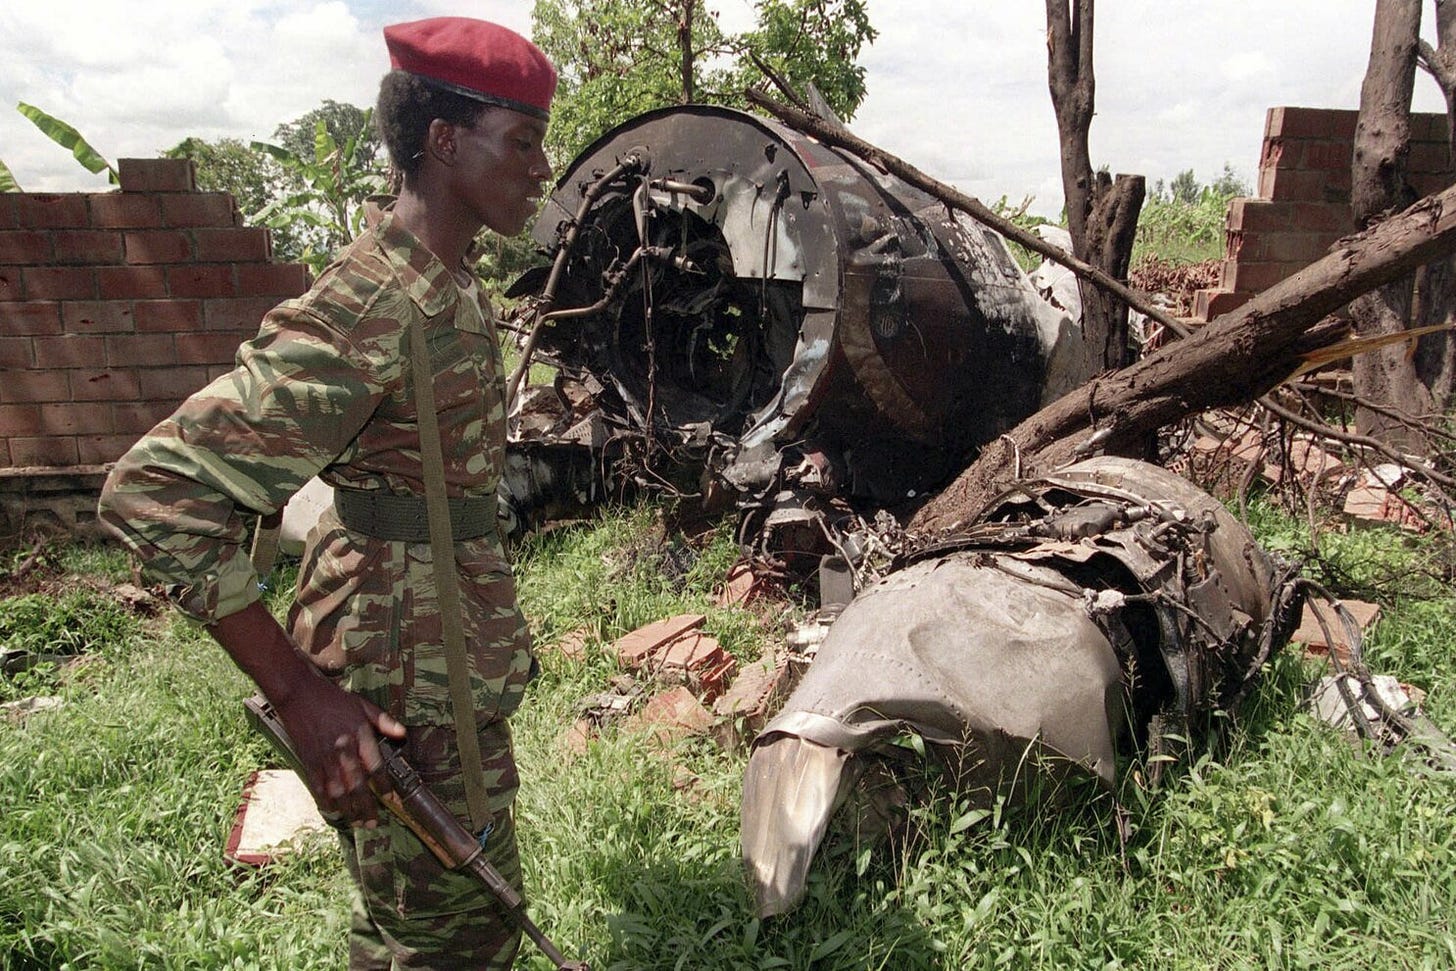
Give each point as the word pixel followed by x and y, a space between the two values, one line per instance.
pixel 333 730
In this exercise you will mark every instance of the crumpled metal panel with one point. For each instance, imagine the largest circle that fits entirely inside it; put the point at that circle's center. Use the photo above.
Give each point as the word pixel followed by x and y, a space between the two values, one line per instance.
pixel 1009 673
pixel 1078 614
pixel 808 298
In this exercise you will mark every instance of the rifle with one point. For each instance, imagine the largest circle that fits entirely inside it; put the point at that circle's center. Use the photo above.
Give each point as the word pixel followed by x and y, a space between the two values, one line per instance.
pixel 421 810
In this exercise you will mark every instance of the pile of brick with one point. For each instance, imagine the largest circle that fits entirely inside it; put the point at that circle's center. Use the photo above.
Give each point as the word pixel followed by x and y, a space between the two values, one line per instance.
pixel 679 682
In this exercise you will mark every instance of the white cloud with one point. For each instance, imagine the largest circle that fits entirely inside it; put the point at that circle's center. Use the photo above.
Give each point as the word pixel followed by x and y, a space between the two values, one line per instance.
pixel 959 90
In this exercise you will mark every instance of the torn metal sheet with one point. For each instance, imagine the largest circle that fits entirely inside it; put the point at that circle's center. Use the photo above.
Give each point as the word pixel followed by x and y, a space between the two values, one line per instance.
pixel 1083 617
pixel 750 299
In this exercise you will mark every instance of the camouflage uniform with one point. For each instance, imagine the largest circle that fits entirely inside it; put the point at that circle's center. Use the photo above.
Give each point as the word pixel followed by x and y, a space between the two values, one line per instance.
pixel 325 388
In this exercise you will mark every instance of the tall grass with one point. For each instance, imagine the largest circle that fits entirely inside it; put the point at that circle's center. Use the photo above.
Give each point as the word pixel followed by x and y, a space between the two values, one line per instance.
pixel 1286 848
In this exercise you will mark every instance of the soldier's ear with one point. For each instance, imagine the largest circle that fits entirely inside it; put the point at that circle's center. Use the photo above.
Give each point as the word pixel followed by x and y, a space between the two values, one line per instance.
pixel 440 141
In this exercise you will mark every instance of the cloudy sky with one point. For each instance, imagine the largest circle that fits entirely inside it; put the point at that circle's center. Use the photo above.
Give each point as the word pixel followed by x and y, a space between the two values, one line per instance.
pixel 959 89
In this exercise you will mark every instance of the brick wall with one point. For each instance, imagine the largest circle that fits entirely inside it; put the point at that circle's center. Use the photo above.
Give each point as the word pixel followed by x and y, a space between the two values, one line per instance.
pixel 115 306
pixel 1303 204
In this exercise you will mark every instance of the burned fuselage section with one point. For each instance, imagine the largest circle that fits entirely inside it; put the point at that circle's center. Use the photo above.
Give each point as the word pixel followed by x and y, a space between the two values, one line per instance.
pixel 745 297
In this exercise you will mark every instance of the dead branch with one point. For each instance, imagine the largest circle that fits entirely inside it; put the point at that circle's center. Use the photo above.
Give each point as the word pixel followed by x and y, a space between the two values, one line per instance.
pixel 836 137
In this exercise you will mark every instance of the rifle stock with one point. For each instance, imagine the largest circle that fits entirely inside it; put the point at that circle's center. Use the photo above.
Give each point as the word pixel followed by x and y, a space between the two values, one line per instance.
pixel 412 802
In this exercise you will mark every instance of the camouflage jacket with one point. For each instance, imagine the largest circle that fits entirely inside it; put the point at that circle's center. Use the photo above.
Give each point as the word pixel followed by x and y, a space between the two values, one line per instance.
pixel 325 388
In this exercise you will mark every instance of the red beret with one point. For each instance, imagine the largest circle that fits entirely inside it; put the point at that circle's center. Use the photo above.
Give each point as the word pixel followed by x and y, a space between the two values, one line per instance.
pixel 476 59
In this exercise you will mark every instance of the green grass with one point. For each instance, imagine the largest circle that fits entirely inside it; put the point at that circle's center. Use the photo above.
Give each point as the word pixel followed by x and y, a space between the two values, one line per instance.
pixel 1286 848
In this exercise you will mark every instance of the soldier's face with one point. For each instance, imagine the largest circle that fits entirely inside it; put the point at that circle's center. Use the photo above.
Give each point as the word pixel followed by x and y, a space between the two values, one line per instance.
pixel 501 168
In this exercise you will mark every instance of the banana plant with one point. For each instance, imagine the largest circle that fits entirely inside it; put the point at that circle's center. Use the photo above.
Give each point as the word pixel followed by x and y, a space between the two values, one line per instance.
pixel 65 136
pixel 334 187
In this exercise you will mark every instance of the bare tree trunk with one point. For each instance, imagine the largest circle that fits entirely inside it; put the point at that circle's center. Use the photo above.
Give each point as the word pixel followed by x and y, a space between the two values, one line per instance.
pixel 1435 359
pixel 1101 213
pixel 1235 359
pixel 685 47
pixel 1378 185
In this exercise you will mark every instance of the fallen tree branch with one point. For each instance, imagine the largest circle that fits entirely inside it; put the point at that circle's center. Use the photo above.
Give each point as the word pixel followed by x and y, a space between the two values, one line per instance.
pixel 1238 357
pixel 837 137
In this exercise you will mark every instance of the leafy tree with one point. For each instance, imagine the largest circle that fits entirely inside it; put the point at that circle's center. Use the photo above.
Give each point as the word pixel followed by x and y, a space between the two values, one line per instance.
pixel 619 58
pixel 343 121
pixel 1184 188
pixel 326 186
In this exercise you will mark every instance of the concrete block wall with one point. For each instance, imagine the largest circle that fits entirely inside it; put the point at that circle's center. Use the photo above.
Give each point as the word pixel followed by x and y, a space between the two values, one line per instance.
pixel 1303 205
pixel 114 306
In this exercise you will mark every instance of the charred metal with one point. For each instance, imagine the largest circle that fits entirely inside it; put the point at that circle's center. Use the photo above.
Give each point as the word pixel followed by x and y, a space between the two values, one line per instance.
pixel 749 300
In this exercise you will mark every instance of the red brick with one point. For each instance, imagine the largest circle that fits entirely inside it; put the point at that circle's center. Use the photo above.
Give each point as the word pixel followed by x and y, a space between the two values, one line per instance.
pixel 634 649
pixel 1208 304
pixel 25 247
pixel 96 246
pixel 156 175
pixel 141 350
pixel 698 660
pixel 58 282
pixel 7 211
pixel 116 210
pixel 1427 126
pixel 153 316
pixel 1311 123
pixel 197 209
pixel 63 418
pixel 1322 217
pixel 1298 186
pixel 101 449
pixel 1429 184
pixel 159 246
pixel 48 452
pixel 272 279
pixel 10 288
pixel 50 210
pixel 19 421
pixel 1301 248
pixel 1271 154
pixel 235 244
pixel 24 318
pixel 17 352
pixel 97 317
pixel 670 716
pixel 1258 215
pixel 5 461
pixel 207 348
pixel 113 384
pixel 241 315
pixel 202 280
pixel 1332 155
pixel 750 701
pixel 20 387
pixel 70 352
pixel 140 417
pixel 131 282
pixel 1428 158
pixel 172 383
pixel 1256 277
pixel 215 371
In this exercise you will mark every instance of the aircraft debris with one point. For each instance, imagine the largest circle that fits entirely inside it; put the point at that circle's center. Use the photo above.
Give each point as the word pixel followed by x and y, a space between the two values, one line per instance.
pixel 1087 616
pixel 765 314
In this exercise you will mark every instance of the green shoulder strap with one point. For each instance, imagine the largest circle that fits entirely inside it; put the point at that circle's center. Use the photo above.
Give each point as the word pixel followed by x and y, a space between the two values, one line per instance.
pixel 447 582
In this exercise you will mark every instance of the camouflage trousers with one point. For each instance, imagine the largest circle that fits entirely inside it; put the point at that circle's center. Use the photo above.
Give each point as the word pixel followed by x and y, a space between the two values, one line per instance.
pixel 409 911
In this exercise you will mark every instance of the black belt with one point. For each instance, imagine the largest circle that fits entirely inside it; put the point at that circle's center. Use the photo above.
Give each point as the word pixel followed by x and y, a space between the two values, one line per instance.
pixel 385 515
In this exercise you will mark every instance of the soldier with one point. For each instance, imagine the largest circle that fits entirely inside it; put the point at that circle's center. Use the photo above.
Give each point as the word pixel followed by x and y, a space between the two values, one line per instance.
pixel 327 387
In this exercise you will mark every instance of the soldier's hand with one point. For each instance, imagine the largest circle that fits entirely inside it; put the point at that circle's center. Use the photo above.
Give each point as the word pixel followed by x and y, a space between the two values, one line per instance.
pixel 336 734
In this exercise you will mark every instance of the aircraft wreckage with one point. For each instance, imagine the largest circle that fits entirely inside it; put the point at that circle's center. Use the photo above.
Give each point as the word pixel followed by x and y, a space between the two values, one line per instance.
pixel 733 305
pixel 793 326
pixel 733 297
